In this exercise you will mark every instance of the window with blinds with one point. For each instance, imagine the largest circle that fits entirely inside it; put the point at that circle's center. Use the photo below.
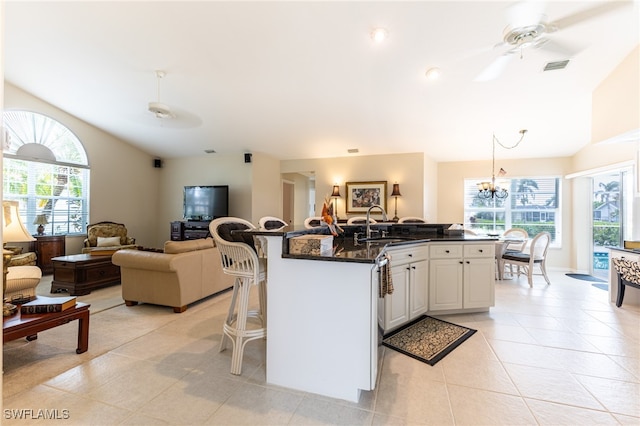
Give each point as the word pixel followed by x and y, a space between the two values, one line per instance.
pixel 45 169
pixel 532 204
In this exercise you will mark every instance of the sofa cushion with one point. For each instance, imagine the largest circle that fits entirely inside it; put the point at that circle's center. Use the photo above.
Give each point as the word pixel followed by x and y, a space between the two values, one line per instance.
pixel 108 241
pixel 174 247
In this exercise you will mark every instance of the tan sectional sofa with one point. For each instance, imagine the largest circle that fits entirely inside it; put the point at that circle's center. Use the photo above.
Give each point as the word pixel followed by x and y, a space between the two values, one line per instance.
pixel 185 272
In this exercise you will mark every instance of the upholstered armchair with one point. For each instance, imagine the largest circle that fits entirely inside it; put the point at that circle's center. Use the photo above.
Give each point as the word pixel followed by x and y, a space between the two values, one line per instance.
pixel 18 258
pixel 107 236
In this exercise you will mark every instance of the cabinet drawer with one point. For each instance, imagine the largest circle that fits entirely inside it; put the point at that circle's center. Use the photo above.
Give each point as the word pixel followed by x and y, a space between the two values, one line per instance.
pixel 479 250
pixel 445 251
pixel 408 254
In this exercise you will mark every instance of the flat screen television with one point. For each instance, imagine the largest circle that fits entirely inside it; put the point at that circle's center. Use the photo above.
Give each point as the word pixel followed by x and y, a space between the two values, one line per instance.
pixel 206 202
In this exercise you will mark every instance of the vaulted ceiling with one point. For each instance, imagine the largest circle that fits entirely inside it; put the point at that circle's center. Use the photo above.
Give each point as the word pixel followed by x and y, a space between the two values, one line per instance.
pixel 306 80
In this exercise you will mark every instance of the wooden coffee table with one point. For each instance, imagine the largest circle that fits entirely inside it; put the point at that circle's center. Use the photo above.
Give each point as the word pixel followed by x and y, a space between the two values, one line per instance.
pixel 80 273
pixel 17 326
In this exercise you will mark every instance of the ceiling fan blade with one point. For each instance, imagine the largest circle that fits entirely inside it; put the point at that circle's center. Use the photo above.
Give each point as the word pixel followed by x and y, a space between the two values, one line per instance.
pixel 562 49
pixel 525 13
pixel 587 14
pixel 495 69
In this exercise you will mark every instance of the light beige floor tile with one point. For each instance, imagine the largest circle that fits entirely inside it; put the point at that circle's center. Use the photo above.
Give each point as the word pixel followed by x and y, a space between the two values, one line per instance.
pixel 136 386
pixel 481 407
pixel 511 333
pixel 548 413
pixel 419 401
pixel 561 339
pixel 614 394
pixel 551 385
pixel 627 420
pixel 615 345
pixel 630 364
pixel 481 374
pixel 191 400
pixel 254 405
pixel 314 411
pixel 382 420
pixel 544 322
pixel 523 354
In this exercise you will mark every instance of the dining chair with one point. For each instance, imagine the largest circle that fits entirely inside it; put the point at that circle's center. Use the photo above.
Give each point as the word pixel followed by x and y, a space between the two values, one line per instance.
pixel 240 260
pixel 411 219
pixel 536 254
pixel 357 220
pixel 522 238
pixel 312 222
pixel 271 223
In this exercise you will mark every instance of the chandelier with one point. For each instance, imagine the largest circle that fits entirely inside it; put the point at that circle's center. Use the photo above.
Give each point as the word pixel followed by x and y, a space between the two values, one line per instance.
pixel 488 190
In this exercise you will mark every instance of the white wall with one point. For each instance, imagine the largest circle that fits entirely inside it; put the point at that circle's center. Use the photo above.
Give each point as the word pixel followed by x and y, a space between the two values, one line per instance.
pixel 124 185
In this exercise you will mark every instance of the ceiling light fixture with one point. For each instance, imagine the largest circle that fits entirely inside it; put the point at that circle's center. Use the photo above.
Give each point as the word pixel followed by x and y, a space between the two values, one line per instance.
pixel 379 35
pixel 433 73
pixel 159 109
pixel 488 190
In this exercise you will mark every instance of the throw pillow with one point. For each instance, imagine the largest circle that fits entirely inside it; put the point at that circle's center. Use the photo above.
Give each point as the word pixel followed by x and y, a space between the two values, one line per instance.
pixel 108 241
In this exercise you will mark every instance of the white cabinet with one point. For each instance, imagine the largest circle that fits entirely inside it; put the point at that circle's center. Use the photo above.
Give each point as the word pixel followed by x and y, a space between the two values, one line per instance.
pixel 461 276
pixel 409 274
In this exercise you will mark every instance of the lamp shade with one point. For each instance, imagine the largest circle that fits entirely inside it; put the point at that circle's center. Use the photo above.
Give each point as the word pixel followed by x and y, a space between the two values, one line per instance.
pixel 13 231
pixel 396 190
pixel 336 191
pixel 41 219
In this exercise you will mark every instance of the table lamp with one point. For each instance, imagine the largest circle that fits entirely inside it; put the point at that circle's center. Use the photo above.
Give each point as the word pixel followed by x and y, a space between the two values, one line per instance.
pixel 335 195
pixel 41 220
pixel 396 193
pixel 13 231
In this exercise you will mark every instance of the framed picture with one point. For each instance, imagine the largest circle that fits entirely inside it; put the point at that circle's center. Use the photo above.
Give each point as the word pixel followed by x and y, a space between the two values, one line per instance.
pixel 362 195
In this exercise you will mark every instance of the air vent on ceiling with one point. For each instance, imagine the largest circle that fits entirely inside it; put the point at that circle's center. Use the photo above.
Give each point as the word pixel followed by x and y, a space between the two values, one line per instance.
pixel 353 150
pixel 558 65
pixel 210 151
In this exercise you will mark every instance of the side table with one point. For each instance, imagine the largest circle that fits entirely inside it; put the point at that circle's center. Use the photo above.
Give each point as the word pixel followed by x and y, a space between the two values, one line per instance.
pixel 46 248
pixel 16 326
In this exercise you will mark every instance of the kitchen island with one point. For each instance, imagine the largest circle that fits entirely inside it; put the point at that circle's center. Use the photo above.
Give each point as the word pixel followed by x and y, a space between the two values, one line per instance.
pixel 324 311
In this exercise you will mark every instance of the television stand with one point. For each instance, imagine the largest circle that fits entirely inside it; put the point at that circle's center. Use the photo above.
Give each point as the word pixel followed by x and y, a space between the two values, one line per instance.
pixel 189 230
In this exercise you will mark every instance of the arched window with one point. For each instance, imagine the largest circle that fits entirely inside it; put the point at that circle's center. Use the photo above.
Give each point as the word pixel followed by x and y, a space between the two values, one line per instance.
pixel 45 168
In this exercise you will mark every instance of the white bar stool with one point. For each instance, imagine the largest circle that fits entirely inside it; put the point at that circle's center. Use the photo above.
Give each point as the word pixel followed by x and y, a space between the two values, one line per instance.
pixel 240 259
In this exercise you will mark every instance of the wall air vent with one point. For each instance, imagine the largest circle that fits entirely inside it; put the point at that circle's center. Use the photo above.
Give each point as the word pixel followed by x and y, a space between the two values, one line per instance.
pixel 558 65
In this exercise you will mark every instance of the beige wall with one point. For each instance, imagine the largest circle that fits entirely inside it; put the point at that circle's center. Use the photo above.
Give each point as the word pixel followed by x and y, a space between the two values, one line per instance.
pixel 209 169
pixel 405 169
pixel 451 176
pixel 266 190
pixel 124 184
pixel 616 101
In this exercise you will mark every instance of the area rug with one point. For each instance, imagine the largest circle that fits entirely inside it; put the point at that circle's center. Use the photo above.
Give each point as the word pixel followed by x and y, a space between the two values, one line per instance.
pixel 586 277
pixel 427 339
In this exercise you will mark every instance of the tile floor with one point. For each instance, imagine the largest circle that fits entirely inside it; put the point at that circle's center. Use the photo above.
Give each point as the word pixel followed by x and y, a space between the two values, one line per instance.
pixel 551 355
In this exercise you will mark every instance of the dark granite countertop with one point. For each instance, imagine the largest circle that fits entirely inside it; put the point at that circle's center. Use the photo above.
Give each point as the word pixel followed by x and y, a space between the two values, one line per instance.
pixel 634 251
pixel 397 235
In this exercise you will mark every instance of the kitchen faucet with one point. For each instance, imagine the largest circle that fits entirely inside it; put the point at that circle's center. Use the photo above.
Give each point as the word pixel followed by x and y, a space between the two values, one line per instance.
pixel 384 217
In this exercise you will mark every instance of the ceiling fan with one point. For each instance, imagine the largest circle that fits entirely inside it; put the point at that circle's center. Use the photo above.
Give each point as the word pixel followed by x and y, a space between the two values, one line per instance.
pixel 159 109
pixel 529 29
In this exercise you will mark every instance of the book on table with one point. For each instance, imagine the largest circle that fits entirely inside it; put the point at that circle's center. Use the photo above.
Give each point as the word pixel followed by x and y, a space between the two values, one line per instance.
pixel 45 304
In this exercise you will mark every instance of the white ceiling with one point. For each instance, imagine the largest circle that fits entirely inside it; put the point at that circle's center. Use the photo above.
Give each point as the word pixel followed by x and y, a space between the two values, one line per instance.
pixel 305 80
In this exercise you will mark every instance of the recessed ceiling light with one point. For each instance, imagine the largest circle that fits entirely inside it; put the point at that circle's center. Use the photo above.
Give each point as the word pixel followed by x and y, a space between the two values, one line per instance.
pixel 379 35
pixel 433 73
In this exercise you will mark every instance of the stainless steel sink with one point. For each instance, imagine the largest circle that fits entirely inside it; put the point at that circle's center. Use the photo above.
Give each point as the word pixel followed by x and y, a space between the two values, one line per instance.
pixel 386 240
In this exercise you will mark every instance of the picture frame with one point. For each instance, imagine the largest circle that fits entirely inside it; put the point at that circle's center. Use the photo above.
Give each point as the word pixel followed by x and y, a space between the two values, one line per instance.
pixel 362 195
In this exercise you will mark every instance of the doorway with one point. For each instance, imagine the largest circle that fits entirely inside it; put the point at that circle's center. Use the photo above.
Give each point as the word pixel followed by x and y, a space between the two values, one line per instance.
pixel 610 208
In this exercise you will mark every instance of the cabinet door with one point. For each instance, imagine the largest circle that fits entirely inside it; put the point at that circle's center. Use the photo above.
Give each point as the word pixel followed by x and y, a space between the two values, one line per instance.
pixel 479 283
pixel 445 284
pixel 418 289
pixel 396 309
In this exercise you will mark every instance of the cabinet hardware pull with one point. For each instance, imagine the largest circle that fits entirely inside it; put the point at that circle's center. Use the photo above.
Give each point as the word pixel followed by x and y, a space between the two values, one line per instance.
pixel 480 250
pixel 468 262
pixel 410 255
pixel 461 262
pixel 446 251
